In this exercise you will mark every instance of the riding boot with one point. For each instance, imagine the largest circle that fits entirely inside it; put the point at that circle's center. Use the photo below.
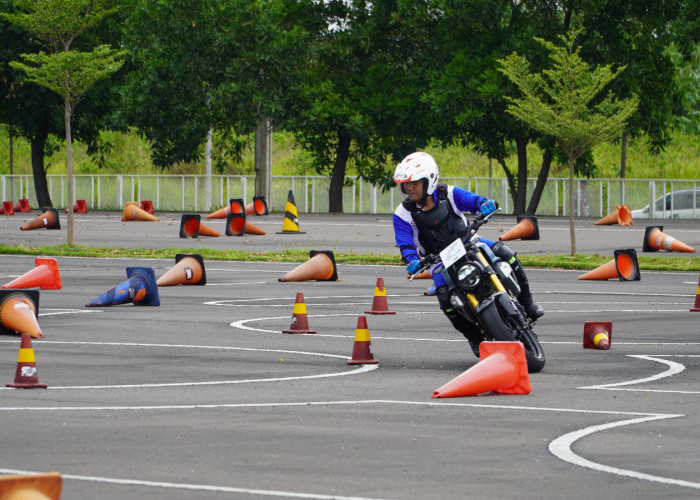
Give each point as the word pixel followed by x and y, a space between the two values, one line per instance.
pixel 532 308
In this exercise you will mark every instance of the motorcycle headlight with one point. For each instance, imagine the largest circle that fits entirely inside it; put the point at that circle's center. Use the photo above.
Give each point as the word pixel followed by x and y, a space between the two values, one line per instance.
pixel 469 275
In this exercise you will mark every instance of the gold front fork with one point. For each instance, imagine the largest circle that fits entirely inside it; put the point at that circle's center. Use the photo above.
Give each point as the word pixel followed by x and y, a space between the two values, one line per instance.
pixel 494 277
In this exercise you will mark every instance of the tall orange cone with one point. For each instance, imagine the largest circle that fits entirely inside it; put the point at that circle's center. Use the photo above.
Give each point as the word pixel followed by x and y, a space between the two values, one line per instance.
pixel 45 486
pixel 188 270
pixel 622 216
pixel 49 219
pixel 235 206
pixel 140 288
pixel 19 312
pixel 7 208
pixel 502 368
pixel 131 212
pixel 624 266
pixel 696 308
pixel 379 303
pixel 45 275
pixel 655 239
pixel 258 206
pixel 525 229
pixel 290 224
pixel 319 267
pixel 597 335
pixel 300 321
pixel 361 351
pixel 26 376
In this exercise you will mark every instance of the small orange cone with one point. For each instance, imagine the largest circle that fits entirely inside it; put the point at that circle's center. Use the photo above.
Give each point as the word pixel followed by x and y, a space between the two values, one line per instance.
pixel 132 212
pixel 147 206
pixel 31 486
pixel 319 267
pixel 188 270
pixel 290 224
pixel 624 266
pixel 22 206
pixel 80 207
pixel 258 206
pixel 597 335
pixel 19 312
pixel 237 225
pixel 525 229
pixel 7 208
pixel 379 303
pixel 425 275
pixel 189 225
pixel 655 239
pixel 45 275
pixel 622 216
pixel 49 220
pixel 361 351
pixel 300 322
pixel 502 368
pixel 235 206
pixel 696 308
pixel 26 376
pixel 205 230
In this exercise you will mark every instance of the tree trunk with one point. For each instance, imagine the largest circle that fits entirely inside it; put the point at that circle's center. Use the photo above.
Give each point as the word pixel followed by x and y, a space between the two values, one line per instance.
pixel 541 181
pixel 572 227
pixel 520 195
pixel 41 187
pixel 69 170
pixel 335 192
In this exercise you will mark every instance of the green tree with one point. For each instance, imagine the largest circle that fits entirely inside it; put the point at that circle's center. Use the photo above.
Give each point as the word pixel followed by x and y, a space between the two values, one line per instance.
pixel 566 102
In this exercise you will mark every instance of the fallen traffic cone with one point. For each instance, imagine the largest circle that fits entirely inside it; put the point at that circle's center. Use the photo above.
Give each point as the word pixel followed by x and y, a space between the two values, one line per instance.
pixel 26 376
pixel 188 270
pixel 361 351
pixel 22 206
pixel 597 335
pixel 696 308
pixel 205 230
pixel 7 208
pixel 49 220
pixel 237 225
pixel 622 216
pixel 290 224
pixel 139 288
pixel 147 206
pixel 45 275
pixel 45 486
pixel 80 207
pixel 189 225
pixel 300 322
pixel 624 266
pixel 502 368
pixel 379 303
pixel 235 206
pixel 19 312
pixel 655 239
pixel 425 275
pixel 525 229
pixel 258 206
pixel 132 212
pixel 319 267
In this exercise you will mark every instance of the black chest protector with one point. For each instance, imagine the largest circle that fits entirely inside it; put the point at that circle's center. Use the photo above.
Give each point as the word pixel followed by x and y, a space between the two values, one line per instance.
pixel 439 226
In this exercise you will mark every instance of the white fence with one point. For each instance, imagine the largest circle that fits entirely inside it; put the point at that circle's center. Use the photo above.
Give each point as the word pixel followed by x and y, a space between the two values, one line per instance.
pixel 186 193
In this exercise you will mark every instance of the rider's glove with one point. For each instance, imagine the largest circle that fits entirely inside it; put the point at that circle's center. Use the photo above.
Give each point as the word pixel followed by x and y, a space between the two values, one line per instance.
pixel 488 207
pixel 413 267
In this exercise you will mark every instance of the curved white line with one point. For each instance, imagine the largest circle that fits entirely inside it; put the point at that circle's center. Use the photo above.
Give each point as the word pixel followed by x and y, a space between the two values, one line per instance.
pixel 674 368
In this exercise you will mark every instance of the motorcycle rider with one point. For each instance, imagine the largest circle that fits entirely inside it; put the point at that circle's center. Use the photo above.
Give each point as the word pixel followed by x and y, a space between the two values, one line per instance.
pixel 431 217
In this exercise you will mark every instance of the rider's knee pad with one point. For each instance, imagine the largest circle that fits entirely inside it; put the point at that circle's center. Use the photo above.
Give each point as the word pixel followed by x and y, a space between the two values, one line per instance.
pixel 502 251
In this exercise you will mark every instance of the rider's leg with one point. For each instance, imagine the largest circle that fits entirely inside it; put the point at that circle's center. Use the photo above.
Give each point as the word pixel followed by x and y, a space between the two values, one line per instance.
pixel 469 330
pixel 532 308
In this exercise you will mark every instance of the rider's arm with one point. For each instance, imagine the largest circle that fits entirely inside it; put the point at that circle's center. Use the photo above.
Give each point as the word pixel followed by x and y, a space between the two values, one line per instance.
pixel 403 234
pixel 466 201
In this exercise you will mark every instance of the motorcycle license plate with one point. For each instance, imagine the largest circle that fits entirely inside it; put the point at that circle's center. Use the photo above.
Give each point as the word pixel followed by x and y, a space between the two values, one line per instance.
pixel 452 253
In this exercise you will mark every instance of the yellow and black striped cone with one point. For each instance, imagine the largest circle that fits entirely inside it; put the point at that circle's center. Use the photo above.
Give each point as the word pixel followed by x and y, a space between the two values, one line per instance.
pixel 290 224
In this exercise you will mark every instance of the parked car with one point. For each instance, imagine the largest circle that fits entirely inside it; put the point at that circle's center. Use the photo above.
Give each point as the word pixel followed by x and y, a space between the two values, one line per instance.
pixel 674 205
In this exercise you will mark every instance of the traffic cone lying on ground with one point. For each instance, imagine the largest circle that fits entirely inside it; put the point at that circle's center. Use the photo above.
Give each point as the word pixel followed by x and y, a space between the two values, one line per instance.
pixel 597 335
pixel 132 212
pixel 361 351
pixel 235 206
pixel 319 267
pixel 19 312
pixel 525 229
pixel 26 376
pixel 140 288
pixel 290 224
pixel 188 270
pixel 237 225
pixel 258 206
pixel 655 239
pixel 624 266
pixel 22 206
pixel 80 207
pixel 45 275
pixel 622 216
pixel 191 227
pixel 300 322
pixel 379 303
pixel 7 208
pixel 49 220
pixel 502 368
pixel 696 307
pixel 31 486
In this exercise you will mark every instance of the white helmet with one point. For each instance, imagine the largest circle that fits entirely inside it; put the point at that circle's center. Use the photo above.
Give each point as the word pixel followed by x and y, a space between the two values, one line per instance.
pixel 418 166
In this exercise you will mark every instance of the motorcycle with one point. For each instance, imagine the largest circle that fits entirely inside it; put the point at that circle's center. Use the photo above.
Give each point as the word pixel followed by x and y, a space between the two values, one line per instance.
pixel 483 289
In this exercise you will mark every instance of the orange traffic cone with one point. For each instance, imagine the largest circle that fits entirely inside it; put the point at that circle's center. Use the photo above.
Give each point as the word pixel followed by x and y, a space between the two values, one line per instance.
pixel 622 216
pixel 235 206
pixel 425 275
pixel 696 308
pixel 525 229
pixel 258 206
pixel 205 230
pixel 31 486
pixel 597 335
pixel 237 225
pixel 189 225
pixel 624 266
pixel 49 220
pixel 132 212
pixel 655 239
pixel 319 267
pixel 7 208
pixel 188 270
pixel 22 206
pixel 379 303
pixel 361 351
pixel 26 376
pixel 502 368
pixel 19 312
pixel 290 224
pixel 300 322
pixel 140 288
pixel 45 275
pixel 147 206
pixel 80 207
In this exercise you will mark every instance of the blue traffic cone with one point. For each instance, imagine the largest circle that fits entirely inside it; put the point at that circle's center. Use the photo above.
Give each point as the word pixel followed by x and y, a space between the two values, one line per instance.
pixel 140 288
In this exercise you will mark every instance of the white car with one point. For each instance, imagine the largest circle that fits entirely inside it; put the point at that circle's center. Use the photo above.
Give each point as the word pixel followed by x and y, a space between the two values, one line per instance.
pixel 674 205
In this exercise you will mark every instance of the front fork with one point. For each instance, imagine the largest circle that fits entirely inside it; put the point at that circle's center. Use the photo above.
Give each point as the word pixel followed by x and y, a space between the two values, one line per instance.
pixel 495 281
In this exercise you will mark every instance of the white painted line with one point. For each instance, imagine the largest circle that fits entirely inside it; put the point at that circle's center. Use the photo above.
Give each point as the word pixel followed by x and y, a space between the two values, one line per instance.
pixel 57 312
